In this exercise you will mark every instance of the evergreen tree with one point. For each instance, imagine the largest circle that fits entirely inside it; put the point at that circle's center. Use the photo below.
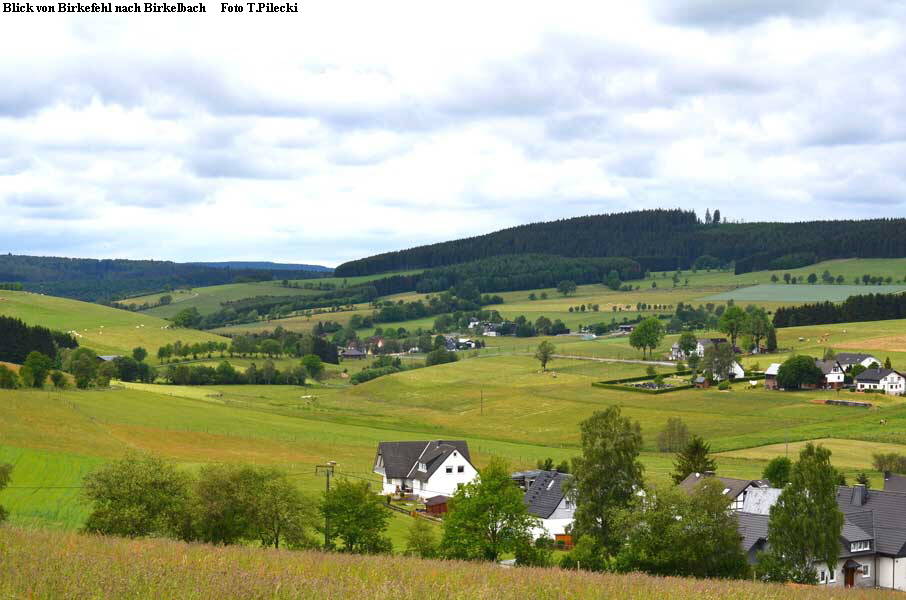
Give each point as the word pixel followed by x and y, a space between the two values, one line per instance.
pixel 695 457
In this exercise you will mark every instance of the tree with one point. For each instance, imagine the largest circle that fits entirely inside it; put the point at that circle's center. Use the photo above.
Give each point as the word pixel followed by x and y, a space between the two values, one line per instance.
pixel 282 514
pixel 613 280
pixel 695 457
pixel 487 517
pixel 806 522
pixel 606 476
pixel 718 360
pixel 39 365
pixel 647 335
pixel 887 363
pixel 566 287
pixel 58 379
pixel 707 217
pixel 83 364
pixel 758 326
pixel 139 354
pixel 687 343
pixel 674 436
pixel 137 496
pixel 313 366
pixel 771 343
pixel 106 371
pixel 165 300
pixel 715 218
pixel 862 479
pixel 440 356
pixel 187 317
pixel 777 471
pixel 8 378
pixel 733 322
pixel 545 353
pixel 421 540
pixel 829 354
pixel 672 533
pixel 356 517
pixel 798 371
pixel 6 471
pixel 812 278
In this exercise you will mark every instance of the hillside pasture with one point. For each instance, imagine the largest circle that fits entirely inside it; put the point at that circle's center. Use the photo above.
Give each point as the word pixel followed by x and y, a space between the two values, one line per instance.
pixel 851 454
pixel 798 294
pixel 209 299
pixel 102 328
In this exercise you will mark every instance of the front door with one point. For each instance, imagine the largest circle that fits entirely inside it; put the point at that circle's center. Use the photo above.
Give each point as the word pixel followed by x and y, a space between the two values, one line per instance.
pixel 849 577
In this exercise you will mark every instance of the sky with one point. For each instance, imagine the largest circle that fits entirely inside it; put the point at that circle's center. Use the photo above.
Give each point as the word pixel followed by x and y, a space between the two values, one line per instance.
pixel 353 128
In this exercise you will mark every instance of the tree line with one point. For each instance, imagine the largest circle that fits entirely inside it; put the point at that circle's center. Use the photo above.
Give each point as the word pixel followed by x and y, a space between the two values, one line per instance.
pixel 17 340
pixel 225 373
pixel 273 344
pixel 111 279
pixel 864 307
pixel 660 240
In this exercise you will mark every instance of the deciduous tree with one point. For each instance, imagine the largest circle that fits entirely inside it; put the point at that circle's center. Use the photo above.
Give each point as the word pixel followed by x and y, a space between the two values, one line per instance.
pixel 356 517
pixel 777 471
pixel 647 335
pixel 733 322
pixel 545 353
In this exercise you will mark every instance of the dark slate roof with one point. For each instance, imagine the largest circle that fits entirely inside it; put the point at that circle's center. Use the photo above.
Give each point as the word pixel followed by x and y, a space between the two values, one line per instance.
pixel 734 486
pixel 714 341
pixel 874 374
pixel 435 500
pixel 401 458
pixel 858 527
pixel 851 358
pixel 753 528
pixel 433 455
pixel 894 482
pixel 353 352
pixel 826 366
pixel 545 494
pixel 888 514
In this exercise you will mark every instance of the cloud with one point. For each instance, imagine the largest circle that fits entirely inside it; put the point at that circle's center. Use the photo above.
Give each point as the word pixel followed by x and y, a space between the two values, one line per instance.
pixel 321 138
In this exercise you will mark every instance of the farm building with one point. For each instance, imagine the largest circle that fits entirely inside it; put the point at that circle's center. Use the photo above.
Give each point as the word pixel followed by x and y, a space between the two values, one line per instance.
pixel 886 380
pixel 833 373
pixel 352 353
pixel 770 376
pixel 735 489
pixel 425 469
pixel 848 360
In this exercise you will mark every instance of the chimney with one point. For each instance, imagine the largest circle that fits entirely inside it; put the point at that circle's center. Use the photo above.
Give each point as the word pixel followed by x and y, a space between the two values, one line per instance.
pixel 859 495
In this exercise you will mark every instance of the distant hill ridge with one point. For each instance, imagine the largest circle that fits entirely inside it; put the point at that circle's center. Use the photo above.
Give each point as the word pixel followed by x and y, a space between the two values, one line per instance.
pixel 660 240
pixel 273 266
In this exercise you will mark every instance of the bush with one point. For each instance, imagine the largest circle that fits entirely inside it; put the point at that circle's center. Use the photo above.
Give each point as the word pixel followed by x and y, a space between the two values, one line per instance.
pixel 58 379
pixel 8 378
pixel 723 385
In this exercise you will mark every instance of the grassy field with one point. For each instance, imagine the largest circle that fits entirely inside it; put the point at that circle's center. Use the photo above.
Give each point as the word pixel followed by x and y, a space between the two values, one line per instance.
pixel 798 294
pixel 101 328
pixel 208 299
pixel 847 453
pixel 47 564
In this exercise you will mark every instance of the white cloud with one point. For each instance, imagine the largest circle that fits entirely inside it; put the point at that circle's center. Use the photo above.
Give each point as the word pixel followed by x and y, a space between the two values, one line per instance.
pixel 354 128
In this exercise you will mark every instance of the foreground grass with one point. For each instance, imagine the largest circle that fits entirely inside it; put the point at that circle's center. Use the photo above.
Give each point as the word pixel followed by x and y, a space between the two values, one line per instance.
pixel 44 564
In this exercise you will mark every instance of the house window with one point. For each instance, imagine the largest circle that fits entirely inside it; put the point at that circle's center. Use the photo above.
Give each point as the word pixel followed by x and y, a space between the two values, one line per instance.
pixel 832 578
pixel 859 546
pixel 822 577
pixel 449 469
pixel 422 467
pixel 866 570
pixel 461 469
pixel 568 505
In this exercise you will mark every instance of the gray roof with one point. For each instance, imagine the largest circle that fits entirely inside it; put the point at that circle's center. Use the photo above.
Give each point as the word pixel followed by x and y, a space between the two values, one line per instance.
pixel 733 486
pixel 773 369
pixel 753 529
pixel 851 358
pixel 827 366
pixel 888 517
pixel 401 458
pixel 545 493
pixel 894 482
pixel 874 374
pixel 859 526
pixel 435 500
pixel 760 500
pixel 108 357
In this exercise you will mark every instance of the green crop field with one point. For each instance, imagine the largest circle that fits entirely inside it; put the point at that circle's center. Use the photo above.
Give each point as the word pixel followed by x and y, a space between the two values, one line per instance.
pixel 101 328
pixel 208 299
pixel 49 564
pixel 798 294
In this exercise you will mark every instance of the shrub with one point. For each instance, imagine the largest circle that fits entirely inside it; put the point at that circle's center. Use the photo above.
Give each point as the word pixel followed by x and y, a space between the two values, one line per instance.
pixel 723 385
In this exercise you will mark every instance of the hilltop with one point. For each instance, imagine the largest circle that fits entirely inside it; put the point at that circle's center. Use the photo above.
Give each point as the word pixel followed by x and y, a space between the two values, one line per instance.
pixel 660 240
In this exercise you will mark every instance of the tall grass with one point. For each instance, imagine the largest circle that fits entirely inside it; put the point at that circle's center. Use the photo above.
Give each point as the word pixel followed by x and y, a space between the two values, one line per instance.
pixel 48 564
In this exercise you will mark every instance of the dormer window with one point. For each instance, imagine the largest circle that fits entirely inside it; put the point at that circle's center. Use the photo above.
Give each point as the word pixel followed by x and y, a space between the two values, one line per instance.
pixel 422 467
pixel 860 546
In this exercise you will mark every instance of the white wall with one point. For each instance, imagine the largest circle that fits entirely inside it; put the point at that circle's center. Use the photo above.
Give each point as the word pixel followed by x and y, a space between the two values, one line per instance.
pixel 443 483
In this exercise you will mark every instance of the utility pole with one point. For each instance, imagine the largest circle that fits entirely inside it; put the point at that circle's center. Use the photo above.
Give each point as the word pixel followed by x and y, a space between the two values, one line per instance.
pixel 328 470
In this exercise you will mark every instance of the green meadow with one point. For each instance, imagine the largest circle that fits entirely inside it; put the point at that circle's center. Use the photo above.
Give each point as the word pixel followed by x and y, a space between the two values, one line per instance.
pixel 101 328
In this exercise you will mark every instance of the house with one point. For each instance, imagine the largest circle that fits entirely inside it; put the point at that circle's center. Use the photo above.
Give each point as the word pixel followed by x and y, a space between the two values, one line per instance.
pixel 735 372
pixel 706 343
pixel 524 479
pixel 352 353
pixel 546 500
pixel 425 469
pixel 886 380
pixel 848 360
pixel 872 540
pixel 108 358
pixel 770 376
pixel 701 382
pixel 833 373
pixel 436 505
pixel 466 344
pixel 626 328
pixel 451 342
pixel 735 489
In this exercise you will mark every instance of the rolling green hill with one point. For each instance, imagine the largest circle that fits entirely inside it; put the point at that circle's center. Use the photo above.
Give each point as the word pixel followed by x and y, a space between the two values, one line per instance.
pixel 101 328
